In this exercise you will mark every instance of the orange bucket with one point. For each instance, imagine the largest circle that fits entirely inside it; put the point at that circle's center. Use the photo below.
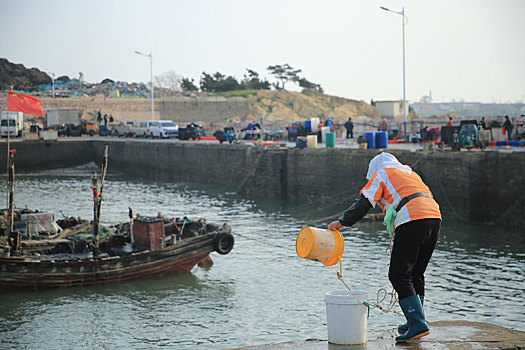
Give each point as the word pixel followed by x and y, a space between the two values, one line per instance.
pixel 320 245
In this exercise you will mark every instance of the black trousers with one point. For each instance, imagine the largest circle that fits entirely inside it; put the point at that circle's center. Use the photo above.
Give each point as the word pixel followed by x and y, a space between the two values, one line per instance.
pixel 414 244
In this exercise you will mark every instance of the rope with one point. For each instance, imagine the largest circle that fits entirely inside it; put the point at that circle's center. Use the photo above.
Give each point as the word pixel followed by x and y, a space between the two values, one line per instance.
pixel 381 293
pixel 261 241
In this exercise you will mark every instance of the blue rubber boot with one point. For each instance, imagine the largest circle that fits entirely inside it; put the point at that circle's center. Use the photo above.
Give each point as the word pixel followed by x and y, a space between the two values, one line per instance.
pixel 403 328
pixel 413 311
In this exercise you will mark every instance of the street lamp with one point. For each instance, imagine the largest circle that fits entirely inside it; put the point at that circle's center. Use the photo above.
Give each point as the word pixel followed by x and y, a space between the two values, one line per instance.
pixel 53 83
pixel 402 13
pixel 151 72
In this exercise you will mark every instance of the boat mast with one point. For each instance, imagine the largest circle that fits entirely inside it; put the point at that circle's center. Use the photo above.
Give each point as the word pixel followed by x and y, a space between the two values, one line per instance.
pixel 8 145
pixel 14 237
pixel 97 187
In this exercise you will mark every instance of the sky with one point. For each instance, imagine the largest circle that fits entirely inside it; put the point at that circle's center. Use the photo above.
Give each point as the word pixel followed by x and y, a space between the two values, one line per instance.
pixel 457 50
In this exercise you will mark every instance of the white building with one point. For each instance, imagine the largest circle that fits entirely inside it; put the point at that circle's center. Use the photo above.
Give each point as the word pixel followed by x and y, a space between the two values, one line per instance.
pixel 391 109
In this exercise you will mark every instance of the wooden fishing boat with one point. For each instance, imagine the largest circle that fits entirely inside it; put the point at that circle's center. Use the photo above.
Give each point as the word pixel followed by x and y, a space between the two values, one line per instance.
pixel 83 253
pixel 159 248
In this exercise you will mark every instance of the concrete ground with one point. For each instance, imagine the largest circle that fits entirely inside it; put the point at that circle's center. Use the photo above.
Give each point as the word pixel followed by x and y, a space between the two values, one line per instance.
pixel 444 335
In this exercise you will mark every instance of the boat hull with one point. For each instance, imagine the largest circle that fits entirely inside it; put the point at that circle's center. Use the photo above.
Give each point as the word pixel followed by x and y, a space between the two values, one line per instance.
pixel 17 273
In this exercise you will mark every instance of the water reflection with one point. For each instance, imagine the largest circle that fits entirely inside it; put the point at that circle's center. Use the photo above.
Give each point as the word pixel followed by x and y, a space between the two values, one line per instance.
pixel 259 293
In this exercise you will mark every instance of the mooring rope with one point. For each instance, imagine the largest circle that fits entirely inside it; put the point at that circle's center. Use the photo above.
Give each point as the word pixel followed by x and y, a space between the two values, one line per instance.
pixel 382 294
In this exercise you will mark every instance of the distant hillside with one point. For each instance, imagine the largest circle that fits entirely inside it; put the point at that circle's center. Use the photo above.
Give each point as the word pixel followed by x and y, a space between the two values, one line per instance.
pixel 284 105
pixel 18 77
pixel 271 105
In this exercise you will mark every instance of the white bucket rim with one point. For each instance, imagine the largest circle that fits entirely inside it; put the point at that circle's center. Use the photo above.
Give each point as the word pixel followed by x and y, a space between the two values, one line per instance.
pixel 345 297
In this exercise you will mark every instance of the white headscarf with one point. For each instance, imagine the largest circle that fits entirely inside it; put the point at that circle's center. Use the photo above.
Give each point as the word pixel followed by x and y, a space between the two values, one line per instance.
pixel 385 160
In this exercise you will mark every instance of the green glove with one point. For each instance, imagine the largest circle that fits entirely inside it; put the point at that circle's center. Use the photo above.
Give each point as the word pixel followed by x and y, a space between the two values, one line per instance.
pixel 390 216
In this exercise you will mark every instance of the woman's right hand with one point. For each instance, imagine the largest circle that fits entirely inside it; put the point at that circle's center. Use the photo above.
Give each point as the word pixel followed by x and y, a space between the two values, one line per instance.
pixel 334 225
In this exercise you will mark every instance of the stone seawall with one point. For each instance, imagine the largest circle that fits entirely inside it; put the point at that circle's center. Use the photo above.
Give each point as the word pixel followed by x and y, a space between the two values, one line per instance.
pixel 475 186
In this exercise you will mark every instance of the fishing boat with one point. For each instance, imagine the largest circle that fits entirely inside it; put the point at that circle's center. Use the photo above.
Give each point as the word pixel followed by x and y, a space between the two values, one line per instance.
pixel 81 253
pixel 159 249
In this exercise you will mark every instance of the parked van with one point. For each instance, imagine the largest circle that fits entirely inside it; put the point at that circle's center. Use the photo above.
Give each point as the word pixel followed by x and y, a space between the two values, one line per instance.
pixel 141 129
pixel 163 129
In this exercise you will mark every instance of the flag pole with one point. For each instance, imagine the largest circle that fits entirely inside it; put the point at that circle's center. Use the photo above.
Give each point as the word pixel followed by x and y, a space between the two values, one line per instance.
pixel 7 165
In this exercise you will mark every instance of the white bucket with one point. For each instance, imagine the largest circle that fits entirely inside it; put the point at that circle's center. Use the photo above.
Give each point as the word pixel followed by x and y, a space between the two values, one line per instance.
pixel 347 317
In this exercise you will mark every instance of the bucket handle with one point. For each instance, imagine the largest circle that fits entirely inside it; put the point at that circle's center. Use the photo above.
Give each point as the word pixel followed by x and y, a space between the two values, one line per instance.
pixel 368 306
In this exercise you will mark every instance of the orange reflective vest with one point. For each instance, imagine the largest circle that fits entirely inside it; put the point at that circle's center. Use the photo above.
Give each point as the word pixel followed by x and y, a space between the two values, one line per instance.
pixel 389 186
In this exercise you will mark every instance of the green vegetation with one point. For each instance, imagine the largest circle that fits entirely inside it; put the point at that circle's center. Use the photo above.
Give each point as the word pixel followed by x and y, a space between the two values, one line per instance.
pixel 237 93
pixel 218 82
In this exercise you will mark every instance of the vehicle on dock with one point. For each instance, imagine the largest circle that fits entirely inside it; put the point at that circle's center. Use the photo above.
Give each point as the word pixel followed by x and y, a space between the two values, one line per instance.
pixel 66 122
pixel 227 134
pixel 141 129
pixel 164 129
pixel 124 128
pixel 90 129
pixel 69 130
pixel 466 135
pixel 12 124
pixel 191 131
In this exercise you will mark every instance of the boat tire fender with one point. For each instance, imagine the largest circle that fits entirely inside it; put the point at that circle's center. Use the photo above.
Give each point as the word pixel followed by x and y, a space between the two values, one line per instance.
pixel 224 243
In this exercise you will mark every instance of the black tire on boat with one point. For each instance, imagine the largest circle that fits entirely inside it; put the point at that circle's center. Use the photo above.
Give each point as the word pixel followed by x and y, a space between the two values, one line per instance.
pixel 224 243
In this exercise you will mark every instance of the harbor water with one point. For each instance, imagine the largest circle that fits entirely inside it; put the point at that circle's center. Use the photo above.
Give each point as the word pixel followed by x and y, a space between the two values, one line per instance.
pixel 261 292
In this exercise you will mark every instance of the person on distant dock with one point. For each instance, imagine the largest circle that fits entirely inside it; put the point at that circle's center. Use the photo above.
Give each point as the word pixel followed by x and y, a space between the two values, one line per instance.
pixel 449 123
pixel 328 123
pixel 507 125
pixel 483 123
pixel 349 126
pixel 413 218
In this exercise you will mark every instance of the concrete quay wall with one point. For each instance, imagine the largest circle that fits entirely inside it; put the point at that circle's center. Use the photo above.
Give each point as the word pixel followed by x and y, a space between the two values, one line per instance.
pixel 474 186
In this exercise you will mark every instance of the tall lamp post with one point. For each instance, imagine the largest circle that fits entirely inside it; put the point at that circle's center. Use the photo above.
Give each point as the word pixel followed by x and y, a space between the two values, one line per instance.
pixel 151 73
pixel 53 83
pixel 404 17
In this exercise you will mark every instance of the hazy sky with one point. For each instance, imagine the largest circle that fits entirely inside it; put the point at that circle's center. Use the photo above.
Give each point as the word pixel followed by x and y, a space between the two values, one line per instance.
pixel 470 50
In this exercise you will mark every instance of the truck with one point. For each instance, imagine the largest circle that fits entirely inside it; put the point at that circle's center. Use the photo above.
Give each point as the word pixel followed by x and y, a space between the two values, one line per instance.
pixel 12 124
pixel 59 117
pixel 65 121
pixel 124 128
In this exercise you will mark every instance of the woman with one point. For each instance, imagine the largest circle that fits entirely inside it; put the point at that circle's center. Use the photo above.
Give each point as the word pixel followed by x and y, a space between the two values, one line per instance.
pixel 415 215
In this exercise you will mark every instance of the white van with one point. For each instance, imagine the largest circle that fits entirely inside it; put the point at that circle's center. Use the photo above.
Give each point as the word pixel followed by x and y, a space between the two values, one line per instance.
pixel 141 129
pixel 163 129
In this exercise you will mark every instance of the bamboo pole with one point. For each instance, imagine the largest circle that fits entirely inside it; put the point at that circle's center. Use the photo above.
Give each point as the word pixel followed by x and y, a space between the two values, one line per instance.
pixel 98 187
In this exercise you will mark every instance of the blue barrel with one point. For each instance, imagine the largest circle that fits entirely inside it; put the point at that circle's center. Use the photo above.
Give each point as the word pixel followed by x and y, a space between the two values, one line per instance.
pixel 381 139
pixel 370 140
pixel 308 125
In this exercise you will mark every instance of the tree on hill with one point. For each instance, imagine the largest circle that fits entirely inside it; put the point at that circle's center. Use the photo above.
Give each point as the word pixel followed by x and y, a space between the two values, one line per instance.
pixel 187 85
pixel 218 82
pixel 169 80
pixel 284 73
pixel 309 86
pixel 252 82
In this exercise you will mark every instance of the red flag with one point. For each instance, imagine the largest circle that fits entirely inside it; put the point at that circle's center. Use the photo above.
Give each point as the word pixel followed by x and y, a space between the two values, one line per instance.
pixel 23 103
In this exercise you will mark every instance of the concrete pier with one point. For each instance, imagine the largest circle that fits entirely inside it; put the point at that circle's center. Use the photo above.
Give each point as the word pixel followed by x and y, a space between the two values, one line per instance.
pixel 444 335
pixel 474 186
